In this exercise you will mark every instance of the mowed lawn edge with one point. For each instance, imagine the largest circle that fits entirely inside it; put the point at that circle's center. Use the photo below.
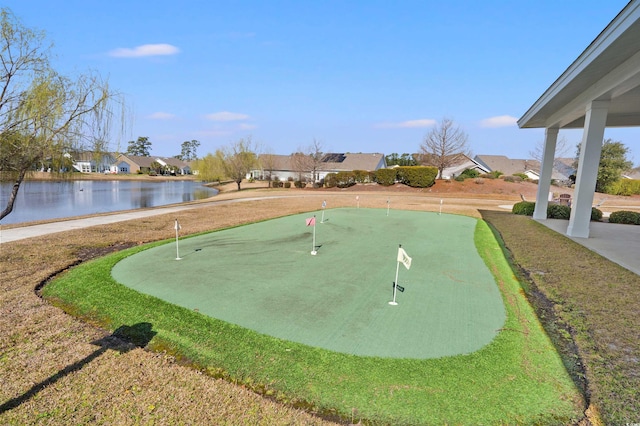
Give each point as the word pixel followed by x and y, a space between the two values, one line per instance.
pixel 589 306
pixel 517 378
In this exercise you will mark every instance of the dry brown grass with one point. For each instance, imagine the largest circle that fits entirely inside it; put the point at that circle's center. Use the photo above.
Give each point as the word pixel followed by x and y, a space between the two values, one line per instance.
pixel 589 306
pixel 52 372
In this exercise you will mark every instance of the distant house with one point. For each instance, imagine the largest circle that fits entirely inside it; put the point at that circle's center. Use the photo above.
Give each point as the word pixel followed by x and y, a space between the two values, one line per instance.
pixel 529 167
pixel 181 167
pixel 134 163
pixel 462 162
pixel 143 164
pixel 93 162
pixel 632 174
pixel 284 167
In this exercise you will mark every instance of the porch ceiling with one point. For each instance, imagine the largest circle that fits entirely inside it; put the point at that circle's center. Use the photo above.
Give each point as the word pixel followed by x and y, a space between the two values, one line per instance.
pixel 608 69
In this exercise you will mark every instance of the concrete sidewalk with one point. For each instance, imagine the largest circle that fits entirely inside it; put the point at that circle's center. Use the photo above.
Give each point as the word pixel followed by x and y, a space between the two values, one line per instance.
pixel 618 243
pixel 21 233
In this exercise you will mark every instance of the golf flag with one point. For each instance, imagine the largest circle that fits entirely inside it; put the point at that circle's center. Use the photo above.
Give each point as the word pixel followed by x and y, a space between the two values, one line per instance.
pixel 311 221
pixel 177 228
pixel 404 258
pixel 324 204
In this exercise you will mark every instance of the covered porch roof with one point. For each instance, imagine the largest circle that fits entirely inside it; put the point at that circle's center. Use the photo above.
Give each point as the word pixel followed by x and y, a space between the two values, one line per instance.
pixel 600 89
pixel 608 69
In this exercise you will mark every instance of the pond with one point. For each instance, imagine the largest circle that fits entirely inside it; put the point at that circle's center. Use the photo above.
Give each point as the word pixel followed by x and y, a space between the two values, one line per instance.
pixel 42 200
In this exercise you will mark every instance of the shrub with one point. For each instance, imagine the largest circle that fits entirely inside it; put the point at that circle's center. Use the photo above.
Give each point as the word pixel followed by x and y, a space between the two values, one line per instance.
pixel 520 175
pixel 460 178
pixel 596 214
pixel 469 173
pixel 386 177
pixel 345 179
pixel 330 180
pixel 479 181
pixel 361 176
pixel 290 179
pixel 492 175
pixel 287 184
pixel 524 208
pixel 558 211
pixel 624 187
pixel 513 178
pixel 625 216
pixel 299 184
pixel 417 176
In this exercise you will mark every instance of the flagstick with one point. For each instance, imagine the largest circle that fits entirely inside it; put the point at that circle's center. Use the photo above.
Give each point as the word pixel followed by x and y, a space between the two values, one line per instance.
pixel 322 219
pixel 440 207
pixel 395 283
pixel 387 207
pixel 313 249
pixel 177 226
pixel 358 200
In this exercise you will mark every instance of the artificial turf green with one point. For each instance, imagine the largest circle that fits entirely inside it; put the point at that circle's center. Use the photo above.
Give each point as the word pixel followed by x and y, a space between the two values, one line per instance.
pixel 263 277
pixel 518 378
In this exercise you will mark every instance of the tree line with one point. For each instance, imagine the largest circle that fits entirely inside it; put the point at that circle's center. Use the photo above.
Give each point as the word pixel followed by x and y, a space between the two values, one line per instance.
pixel 142 147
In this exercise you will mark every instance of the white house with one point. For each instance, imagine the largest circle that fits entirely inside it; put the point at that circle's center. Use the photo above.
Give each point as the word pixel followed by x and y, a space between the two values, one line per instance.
pixel 284 167
pixel 93 162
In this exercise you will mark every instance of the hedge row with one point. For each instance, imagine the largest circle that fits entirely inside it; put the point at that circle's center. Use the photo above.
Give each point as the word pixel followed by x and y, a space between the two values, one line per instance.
pixel 624 187
pixel 625 216
pixel 414 176
pixel 554 211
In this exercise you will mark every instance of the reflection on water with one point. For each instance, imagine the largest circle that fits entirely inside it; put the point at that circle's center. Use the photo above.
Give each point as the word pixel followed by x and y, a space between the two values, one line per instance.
pixel 52 200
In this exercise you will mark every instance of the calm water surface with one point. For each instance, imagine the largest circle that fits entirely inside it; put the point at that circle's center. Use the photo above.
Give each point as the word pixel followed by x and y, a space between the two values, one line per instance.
pixel 54 200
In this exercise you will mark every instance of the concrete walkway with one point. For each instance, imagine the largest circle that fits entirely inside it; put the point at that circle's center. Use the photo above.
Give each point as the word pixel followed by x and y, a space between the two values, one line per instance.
pixel 21 233
pixel 618 243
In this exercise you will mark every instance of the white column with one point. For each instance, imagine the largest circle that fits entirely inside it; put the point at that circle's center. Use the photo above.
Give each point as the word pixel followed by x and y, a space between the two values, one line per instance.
pixel 546 168
pixel 590 149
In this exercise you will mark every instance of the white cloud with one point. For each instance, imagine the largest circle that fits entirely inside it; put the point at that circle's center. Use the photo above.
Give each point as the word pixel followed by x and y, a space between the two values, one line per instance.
pixel 226 116
pixel 246 126
pixel 161 49
pixel 409 124
pixel 161 116
pixel 499 121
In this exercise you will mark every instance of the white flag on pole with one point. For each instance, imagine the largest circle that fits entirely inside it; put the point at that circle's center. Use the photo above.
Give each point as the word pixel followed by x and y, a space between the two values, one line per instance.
pixel 177 226
pixel 404 258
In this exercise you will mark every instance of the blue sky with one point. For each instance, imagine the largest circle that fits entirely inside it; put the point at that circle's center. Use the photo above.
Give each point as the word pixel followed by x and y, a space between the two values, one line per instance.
pixel 358 76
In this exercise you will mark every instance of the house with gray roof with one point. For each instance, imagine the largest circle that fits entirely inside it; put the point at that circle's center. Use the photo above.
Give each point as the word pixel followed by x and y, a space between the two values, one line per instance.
pixel 143 164
pixel 459 163
pixel 531 168
pixel 299 167
pixel 93 162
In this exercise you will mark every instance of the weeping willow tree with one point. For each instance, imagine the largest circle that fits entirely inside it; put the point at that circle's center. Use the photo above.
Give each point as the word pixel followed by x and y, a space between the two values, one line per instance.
pixel 46 116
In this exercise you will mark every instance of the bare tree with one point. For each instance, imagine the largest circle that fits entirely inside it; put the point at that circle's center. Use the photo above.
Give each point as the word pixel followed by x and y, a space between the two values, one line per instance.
pixel 43 115
pixel 301 164
pixel 315 152
pixel 563 148
pixel 239 159
pixel 268 165
pixel 444 146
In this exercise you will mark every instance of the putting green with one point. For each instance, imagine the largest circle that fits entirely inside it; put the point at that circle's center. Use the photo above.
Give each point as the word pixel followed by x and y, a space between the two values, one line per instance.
pixel 262 276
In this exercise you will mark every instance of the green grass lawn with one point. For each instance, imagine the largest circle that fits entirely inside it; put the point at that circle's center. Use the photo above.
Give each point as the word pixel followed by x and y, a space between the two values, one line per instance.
pixel 517 378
